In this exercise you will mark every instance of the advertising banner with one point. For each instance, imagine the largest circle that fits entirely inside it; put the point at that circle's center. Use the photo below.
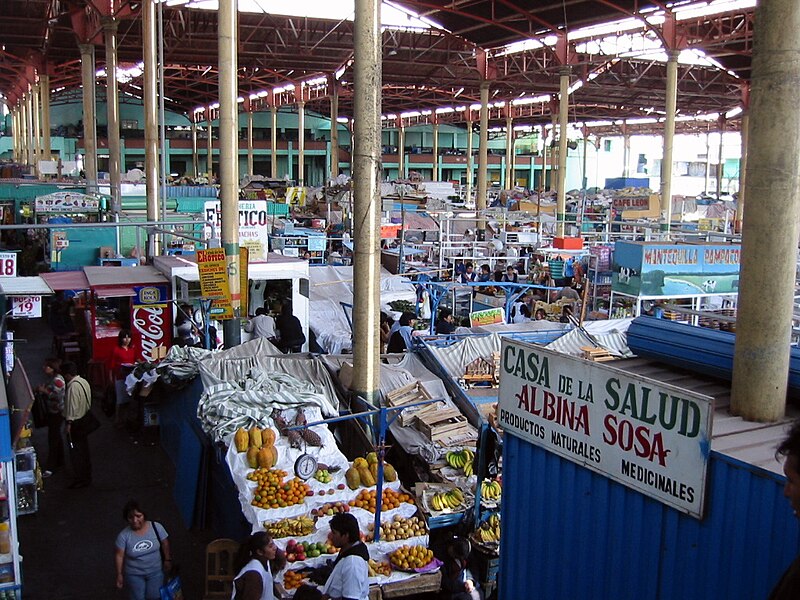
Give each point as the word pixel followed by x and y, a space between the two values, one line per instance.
pixel 649 436
pixel 487 317
pixel 151 319
pixel 253 226
pixel 212 266
pixel 66 202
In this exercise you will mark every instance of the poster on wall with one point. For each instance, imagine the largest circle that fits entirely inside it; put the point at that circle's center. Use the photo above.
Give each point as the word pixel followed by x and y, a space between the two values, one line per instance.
pixel 254 226
pixel 212 265
pixel 649 436
pixel 151 322
pixel 672 270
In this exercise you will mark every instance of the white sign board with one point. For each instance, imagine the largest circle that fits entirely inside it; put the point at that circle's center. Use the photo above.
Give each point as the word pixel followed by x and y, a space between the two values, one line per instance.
pixel 254 226
pixel 66 202
pixel 8 264
pixel 26 307
pixel 649 436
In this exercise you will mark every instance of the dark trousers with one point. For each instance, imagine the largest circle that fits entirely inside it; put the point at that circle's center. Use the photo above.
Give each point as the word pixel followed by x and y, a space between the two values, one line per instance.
pixel 80 458
pixel 55 444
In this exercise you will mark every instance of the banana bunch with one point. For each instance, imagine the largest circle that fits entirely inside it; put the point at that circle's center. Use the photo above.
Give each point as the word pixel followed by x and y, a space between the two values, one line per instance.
pixel 489 531
pixel 465 459
pixel 451 499
pixel 293 527
pixel 491 490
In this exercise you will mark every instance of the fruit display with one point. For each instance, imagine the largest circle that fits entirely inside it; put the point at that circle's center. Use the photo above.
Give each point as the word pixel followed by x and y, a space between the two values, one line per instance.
pixel 323 476
pixel 293 579
pixel 451 499
pixel 491 490
pixel 465 459
pixel 408 558
pixel 300 551
pixel 399 529
pixel 379 568
pixel 364 472
pixel 259 444
pixel 367 499
pixel 296 437
pixel 330 508
pixel 274 492
pixel 296 526
pixel 489 531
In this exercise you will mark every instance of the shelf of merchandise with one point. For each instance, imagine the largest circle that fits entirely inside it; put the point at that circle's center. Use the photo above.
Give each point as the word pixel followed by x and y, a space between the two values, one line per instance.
pixel 297 245
pixel 600 281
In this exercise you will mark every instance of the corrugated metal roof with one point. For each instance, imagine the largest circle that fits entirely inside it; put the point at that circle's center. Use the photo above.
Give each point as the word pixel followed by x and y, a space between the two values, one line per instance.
pixel 145 274
pixel 24 286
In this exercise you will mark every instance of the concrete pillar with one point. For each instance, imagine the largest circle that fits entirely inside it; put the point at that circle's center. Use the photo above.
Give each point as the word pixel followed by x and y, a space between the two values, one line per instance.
pixel 14 135
pixel 769 235
pixel 24 130
pixel 112 112
pixel 401 151
pixel 509 175
pixel 708 163
pixel 483 160
pixel 150 117
pixel 274 143
pixel 553 157
pixel 334 131
pixel 563 117
pixel 37 130
pixel 195 158
pixel 720 163
pixel 88 70
pixel 469 161
pixel 44 90
pixel 543 179
pixel 435 174
pixel 626 153
pixel 209 146
pixel 229 160
pixel 669 139
pixel 742 172
pixel 367 200
pixel 250 142
pixel 29 129
pixel 301 143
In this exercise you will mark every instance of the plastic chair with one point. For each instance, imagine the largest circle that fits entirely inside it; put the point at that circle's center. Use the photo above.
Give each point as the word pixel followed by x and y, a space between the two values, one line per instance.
pixel 220 556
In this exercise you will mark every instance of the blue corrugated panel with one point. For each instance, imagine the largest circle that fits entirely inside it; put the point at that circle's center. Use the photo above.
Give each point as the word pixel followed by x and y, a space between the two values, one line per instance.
pixel 569 534
pixel 696 349
pixel 192 191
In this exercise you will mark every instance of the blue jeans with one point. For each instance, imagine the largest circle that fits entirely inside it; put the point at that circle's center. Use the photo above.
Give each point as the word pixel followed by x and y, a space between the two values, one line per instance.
pixel 145 587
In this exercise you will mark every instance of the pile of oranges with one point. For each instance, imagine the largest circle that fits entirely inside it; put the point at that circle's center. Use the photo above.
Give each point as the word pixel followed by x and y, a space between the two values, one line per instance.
pixel 367 499
pixel 274 492
pixel 293 579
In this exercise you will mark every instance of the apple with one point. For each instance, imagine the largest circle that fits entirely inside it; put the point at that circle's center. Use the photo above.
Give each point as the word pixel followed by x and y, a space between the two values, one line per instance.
pixel 341 486
pixel 290 557
pixel 346 508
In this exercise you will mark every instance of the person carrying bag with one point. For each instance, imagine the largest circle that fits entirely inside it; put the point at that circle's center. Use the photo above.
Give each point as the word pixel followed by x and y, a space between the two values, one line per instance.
pixel 80 422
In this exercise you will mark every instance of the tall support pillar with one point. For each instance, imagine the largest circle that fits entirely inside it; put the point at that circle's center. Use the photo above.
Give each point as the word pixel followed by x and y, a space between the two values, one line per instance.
pixel 88 70
pixel 367 199
pixel 769 245
pixel 543 179
pixel 195 161
pixel 112 111
pixel 740 201
pixel 334 130
pixel 401 149
pixel 44 90
pixel 23 106
pixel 470 177
pixel 669 139
pixel 563 117
pixel 301 142
pixel 209 146
pixel 229 160
pixel 435 175
pixel 626 152
pixel 37 129
pixel 29 129
pixel 483 160
pixel 274 141
pixel 150 118
pixel 720 163
pixel 509 176
pixel 14 135
pixel 707 186
pixel 249 142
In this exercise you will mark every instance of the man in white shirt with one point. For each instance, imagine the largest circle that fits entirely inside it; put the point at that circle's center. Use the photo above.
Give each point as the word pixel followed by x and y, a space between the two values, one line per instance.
pixel 349 579
pixel 262 325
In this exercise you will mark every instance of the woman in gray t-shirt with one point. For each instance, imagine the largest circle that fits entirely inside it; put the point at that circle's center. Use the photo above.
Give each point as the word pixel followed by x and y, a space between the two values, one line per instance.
pixel 138 555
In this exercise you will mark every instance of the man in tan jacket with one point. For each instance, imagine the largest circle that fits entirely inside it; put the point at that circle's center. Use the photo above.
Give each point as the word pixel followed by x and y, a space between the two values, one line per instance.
pixel 77 403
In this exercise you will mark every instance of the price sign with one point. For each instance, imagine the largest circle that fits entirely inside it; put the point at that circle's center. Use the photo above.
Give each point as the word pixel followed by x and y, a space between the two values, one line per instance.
pixel 8 264
pixel 26 307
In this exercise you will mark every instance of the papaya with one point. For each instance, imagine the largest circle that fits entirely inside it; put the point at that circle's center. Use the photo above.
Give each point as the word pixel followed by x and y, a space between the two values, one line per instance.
pixel 373 469
pixel 360 462
pixel 268 437
pixel 353 478
pixel 367 480
pixel 255 437
pixel 389 474
pixel 372 458
pixel 267 457
pixel 252 460
pixel 241 439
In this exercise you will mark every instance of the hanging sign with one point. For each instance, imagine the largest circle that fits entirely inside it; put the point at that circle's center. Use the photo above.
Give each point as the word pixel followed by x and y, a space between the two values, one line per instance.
pixel 253 226
pixel 26 307
pixel 152 322
pixel 214 281
pixel 66 202
pixel 490 316
pixel 644 434
pixel 8 264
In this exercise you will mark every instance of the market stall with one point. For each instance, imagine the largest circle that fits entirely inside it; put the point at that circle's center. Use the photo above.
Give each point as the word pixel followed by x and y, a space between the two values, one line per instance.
pixel 24 296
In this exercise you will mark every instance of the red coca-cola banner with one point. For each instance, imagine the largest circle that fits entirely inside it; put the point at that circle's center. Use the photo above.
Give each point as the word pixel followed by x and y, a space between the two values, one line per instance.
pixel 151 323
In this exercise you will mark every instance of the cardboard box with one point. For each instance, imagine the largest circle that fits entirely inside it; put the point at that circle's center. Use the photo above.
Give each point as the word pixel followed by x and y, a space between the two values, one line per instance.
pixel 568 243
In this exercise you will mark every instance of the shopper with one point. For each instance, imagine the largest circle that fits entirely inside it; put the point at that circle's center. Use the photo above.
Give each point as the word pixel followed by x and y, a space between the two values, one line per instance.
pixel 401 339
pixel 386 330
pixel 540 315
pixel 142 553
pixel 290 332
pixel 53 392
pixel 485 274
pixel 788 588
pixel 446 323
pixel 469 275
pixel 77 403
pixel 456 584
pixel 511 275
pixel 122 357
pixel 350 576
pixel 258 558
pixel 262 326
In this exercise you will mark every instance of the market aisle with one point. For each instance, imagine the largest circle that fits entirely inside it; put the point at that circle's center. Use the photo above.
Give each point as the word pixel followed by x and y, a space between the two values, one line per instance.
pixel 68 545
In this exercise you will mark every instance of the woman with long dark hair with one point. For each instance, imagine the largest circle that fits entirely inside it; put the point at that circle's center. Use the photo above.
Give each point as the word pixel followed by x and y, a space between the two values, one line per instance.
pixel 123 355
pixel 259 557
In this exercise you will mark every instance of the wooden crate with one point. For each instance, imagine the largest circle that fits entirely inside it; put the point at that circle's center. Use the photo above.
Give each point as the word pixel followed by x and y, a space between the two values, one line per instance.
pixel 442 424
pixel 408 394
pixel 596 354
pixel 420 584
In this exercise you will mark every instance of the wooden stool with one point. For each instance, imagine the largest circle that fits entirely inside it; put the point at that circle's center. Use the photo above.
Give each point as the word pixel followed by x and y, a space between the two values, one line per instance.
pixel 220 557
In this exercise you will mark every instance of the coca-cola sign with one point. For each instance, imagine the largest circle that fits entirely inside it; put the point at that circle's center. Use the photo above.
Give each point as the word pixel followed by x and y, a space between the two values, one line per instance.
pixel 151 323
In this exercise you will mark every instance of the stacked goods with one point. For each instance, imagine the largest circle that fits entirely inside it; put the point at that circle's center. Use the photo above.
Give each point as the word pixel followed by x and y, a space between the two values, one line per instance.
pixel 491 490
pixel 259 445
pixel 330 508
pixel 408 558
pixel 399 529
pixel 451 499
pixel 364 472
pixel 296 526
pixel 489 531
pixel 299 551
pixel 273 492
pixel 367 499
pixel 293 579
pixel 462 460
pixel 379 568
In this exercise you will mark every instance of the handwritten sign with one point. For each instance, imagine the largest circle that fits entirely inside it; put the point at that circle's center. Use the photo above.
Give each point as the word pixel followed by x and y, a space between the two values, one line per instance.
pixel 649 436
pixel 26 307
pixel 212 266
